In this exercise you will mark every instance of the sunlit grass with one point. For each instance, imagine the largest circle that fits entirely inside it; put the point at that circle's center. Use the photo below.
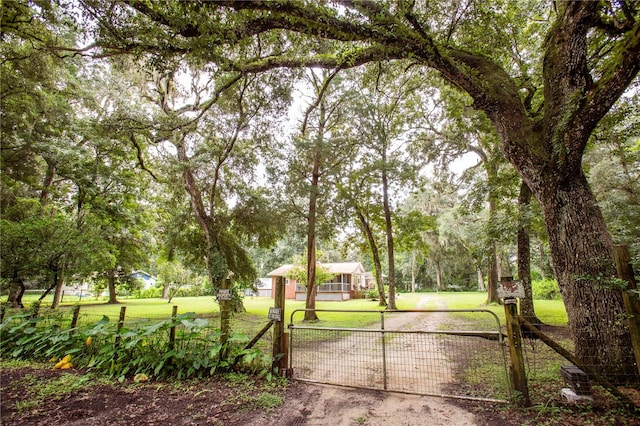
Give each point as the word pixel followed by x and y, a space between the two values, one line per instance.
pixel 155 308
pixel 549 311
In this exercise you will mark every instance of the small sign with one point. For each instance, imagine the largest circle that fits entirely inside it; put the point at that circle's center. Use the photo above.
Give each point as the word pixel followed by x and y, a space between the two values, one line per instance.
pixel 275 314
pixel 224 294
pixel 510 289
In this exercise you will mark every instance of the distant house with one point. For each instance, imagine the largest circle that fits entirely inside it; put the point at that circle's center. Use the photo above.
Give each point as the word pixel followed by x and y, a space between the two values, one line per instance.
pixel 263 288
pixel 349 278
pixel 148 279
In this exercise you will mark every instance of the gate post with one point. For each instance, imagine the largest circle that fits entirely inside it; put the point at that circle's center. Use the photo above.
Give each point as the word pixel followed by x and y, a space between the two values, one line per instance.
pixel 622 258
pixel 384 351
pixel 279 350
pixel 518 374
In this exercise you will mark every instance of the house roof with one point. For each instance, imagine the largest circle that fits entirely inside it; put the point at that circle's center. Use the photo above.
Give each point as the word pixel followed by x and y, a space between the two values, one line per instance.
pixel 336 268
pixel 142 273
pixel 280 271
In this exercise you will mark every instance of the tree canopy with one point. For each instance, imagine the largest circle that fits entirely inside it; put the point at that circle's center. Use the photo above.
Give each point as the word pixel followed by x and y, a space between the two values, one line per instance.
pixel 545 75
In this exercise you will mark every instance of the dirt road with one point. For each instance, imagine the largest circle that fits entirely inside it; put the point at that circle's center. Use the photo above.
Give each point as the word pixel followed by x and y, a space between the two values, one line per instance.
pixel 332 405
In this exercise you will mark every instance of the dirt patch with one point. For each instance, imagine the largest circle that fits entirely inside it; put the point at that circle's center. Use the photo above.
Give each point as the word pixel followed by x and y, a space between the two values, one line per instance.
pixel 209 401
pixel 214 401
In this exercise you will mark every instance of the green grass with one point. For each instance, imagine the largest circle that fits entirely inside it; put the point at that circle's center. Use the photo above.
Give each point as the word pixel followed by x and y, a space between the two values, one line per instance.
pixel 152 308
pixel 549 311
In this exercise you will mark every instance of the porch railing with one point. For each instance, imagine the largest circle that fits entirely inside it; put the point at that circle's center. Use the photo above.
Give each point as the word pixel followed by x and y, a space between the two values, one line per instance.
pixel 328 288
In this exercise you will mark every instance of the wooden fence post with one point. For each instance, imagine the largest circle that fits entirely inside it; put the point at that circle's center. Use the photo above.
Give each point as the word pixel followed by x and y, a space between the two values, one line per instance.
pixel 518 373
pixel 74 319
pixel 123 311
pixel 622 258
pixel 172 330
pixel 279 349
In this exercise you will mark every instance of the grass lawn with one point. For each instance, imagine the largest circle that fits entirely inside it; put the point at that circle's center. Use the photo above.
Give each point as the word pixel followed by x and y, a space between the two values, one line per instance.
pixel 549 311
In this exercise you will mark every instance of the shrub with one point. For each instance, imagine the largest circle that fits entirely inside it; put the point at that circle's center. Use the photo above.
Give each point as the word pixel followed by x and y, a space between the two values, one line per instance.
pixel 373 294
pixel 545 289
pixel 149 293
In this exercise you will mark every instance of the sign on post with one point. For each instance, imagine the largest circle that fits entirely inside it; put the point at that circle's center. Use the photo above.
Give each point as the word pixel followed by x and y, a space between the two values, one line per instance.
pixel 224 294
pixel 508 288
pixel 275 314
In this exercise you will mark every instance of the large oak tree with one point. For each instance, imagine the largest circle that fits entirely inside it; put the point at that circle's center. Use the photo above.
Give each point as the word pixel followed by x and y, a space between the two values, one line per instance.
pixel 544 83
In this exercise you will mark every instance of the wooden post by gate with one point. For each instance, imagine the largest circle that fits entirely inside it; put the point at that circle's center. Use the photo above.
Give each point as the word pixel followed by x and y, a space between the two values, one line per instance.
pixel 630 296
pixel 509 291
pixel 518 372
pixel 280 349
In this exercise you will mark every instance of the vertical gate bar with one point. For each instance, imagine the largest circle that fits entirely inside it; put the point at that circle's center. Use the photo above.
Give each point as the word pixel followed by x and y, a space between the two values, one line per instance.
pixel 277 350
pixel 290 364
pixel 384 352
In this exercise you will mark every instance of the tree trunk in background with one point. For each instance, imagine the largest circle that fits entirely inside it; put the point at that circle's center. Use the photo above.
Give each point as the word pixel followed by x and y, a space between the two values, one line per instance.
pixel 165 291
pixel 492 277
pixel 310 303
pixel 438 276
pixel 391 302
pixel 111 280
pixel 524 255
pixel 413 271
pixel 16 291
pixel 59 283
pixel 480 275
pixel 375 255
pixel 546 269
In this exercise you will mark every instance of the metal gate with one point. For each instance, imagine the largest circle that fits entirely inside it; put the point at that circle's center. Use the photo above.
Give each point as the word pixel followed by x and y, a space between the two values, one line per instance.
pixel 427 352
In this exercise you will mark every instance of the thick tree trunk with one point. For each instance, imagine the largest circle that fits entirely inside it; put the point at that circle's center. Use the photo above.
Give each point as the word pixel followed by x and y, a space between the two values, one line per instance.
pixel 582 250
pixel 524 256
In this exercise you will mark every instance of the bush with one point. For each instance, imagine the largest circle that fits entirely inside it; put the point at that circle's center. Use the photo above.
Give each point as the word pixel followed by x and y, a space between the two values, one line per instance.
pixel 149 293
pixel 545 289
